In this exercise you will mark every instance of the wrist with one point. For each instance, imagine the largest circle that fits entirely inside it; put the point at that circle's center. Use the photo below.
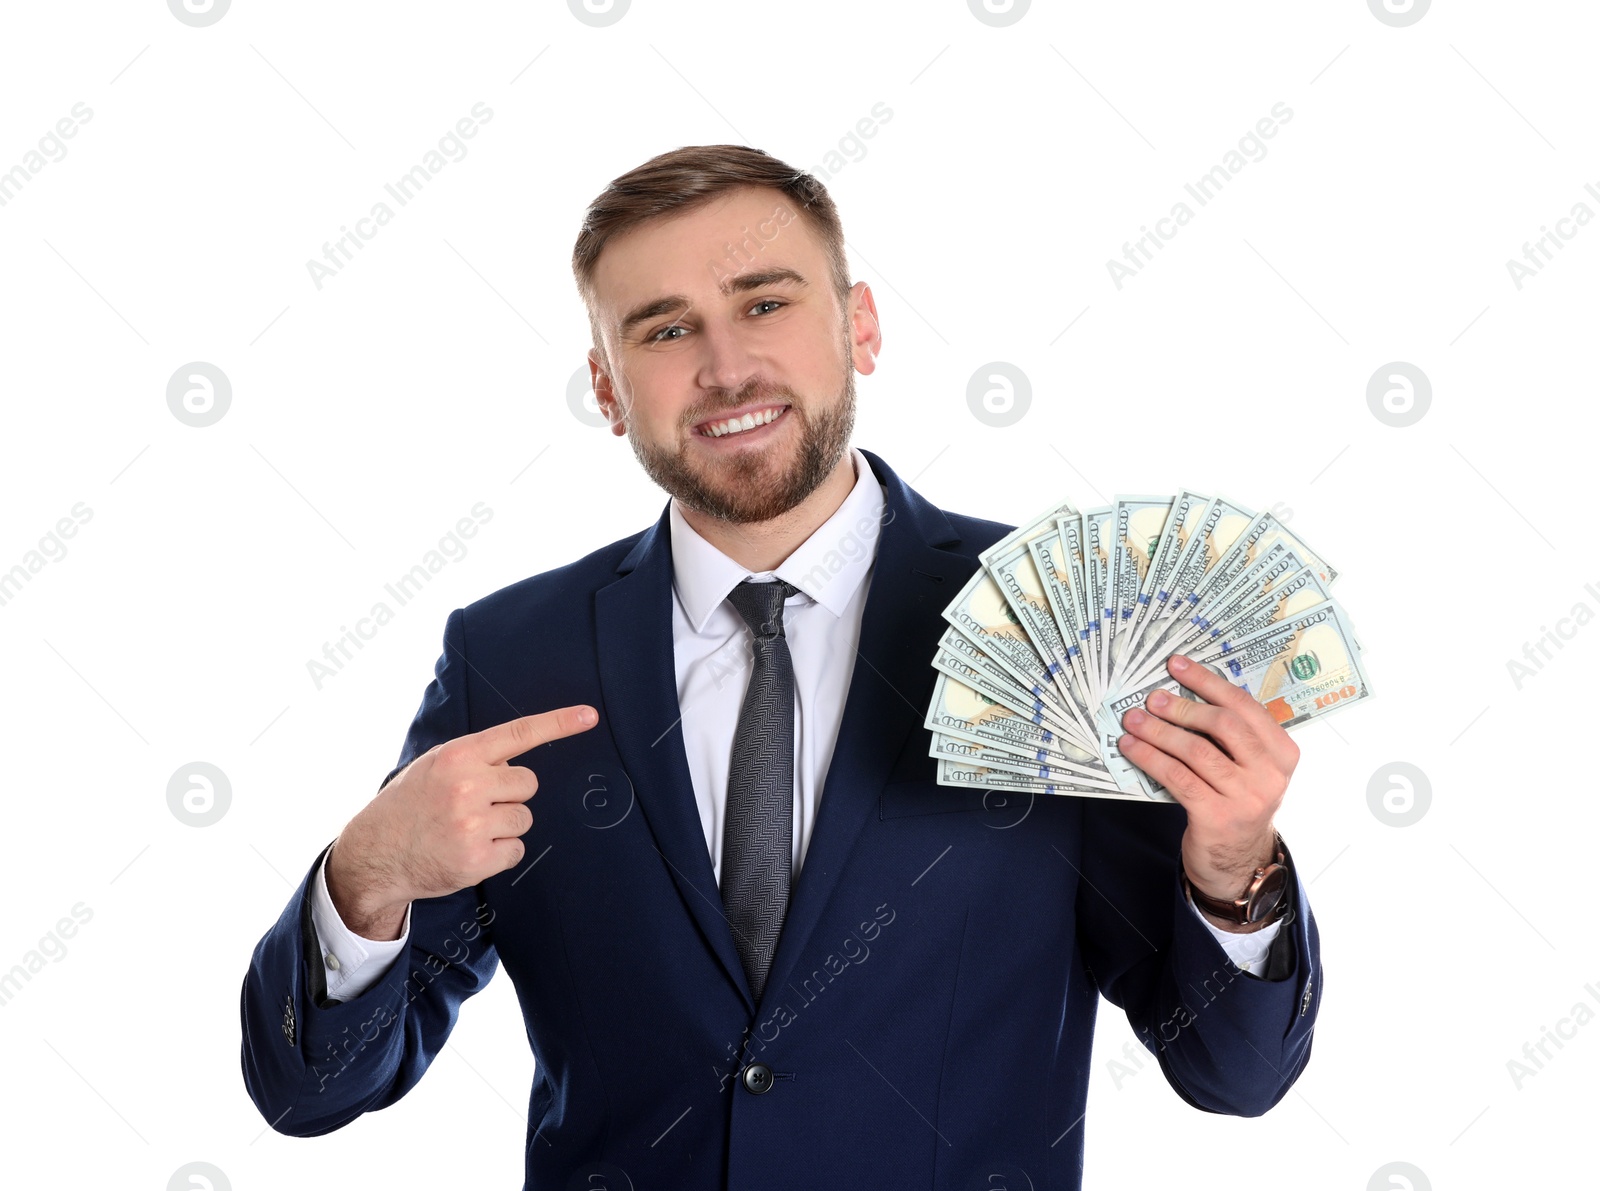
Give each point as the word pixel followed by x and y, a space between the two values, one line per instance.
pixel 364 906
pixel 1224 872
pixel 1243 903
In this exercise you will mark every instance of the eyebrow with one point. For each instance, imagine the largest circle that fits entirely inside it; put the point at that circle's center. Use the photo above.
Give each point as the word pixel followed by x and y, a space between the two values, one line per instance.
pixel 738 284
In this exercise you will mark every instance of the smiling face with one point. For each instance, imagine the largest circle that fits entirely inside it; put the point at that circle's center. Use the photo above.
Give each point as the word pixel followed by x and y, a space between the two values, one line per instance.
pixel 731 371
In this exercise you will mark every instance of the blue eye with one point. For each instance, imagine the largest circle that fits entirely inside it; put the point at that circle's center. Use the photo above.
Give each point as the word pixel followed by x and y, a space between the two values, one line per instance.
pixel 661 335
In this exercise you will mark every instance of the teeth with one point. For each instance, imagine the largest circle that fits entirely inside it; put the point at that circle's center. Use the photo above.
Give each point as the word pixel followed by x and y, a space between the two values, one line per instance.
pixel 738 425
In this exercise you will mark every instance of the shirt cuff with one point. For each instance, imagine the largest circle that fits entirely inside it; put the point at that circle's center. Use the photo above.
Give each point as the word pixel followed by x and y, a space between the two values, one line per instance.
pixel 1247 950
pixel 353 964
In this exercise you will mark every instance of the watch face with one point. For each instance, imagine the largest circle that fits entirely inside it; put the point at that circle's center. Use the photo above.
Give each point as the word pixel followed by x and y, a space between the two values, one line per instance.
pixel 1269 893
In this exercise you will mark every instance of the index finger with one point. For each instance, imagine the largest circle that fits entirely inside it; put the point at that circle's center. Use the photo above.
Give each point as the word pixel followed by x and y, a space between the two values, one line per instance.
pixel 515 737
pixel 1209 685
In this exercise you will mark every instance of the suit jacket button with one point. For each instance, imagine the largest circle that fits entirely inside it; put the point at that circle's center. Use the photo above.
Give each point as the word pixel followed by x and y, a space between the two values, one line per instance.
pixel 757 1078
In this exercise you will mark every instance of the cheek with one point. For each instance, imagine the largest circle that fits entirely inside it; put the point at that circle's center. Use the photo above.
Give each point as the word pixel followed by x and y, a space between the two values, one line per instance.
pixel 662 420
pixel 814 371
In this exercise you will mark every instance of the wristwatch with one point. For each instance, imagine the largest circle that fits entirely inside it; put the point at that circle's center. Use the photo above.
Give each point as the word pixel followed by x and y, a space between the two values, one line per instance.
pixel 1265 898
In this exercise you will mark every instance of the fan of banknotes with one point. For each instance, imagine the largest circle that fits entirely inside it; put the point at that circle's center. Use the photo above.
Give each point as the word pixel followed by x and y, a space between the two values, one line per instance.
pixel 1072 617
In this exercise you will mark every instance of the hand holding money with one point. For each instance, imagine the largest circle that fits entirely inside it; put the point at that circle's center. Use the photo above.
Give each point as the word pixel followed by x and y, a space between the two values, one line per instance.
pixel 1226 760
pixel 1069 624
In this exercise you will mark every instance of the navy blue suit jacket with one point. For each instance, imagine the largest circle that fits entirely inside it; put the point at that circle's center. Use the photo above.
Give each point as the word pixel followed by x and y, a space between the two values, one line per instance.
pixel 928 1017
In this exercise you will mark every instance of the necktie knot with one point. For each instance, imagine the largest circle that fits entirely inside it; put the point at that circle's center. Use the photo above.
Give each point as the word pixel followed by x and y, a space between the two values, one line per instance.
pixel 761 605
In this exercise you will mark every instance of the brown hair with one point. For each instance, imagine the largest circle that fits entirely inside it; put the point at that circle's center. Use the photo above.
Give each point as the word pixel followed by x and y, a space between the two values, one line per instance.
pixel 679 181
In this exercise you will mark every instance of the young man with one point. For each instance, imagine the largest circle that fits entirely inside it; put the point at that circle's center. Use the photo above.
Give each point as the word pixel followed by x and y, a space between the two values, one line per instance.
pixel 681 790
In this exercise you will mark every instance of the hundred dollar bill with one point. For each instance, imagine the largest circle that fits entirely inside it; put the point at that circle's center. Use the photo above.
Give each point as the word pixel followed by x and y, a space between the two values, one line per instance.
pixel 958 710
pixel 1074 536
pixel 1263 531
pixel 980 611
pixel 1073 614
pixel 1136 527
pixel 1024 589
pixel 1186 509
pixel 1301 668
pixel 1172 634
pixel 1219 526
pixel 958 657
pixel 986 756
pixel 1248 611
pixel 954 773
pixel 1276 585
pixel 1097 532
pixel 1024 531
pixel 1215 615
pixel 1060 571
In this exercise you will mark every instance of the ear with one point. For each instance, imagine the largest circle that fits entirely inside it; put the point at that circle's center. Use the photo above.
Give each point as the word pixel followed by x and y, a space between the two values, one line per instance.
pixel 605 398
pixel 866 337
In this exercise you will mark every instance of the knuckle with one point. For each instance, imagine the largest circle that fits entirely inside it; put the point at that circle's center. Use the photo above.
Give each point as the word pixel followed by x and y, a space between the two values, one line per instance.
pixel 1184 782
pixel 522 732
pixel 451 754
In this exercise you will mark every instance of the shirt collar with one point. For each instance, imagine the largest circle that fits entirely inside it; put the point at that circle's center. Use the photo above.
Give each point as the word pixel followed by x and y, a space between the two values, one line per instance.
pixel 828 566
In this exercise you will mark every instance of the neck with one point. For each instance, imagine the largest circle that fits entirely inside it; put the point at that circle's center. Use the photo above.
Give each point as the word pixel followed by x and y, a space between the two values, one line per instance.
pixel 763 545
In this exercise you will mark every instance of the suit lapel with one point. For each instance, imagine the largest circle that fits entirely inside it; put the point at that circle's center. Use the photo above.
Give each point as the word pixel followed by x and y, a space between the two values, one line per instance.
pixel 638 680
pixel 890 685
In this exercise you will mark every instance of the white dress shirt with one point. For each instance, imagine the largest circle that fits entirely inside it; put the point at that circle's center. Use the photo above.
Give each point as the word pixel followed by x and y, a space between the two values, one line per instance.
pixel 711 655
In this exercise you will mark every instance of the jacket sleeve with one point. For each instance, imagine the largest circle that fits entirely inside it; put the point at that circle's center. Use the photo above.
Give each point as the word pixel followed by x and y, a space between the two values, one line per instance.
pixel 312 1065
pixel 1227 1041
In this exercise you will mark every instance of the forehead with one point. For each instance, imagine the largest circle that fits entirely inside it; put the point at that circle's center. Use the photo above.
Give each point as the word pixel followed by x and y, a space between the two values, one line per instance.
pixel 693 253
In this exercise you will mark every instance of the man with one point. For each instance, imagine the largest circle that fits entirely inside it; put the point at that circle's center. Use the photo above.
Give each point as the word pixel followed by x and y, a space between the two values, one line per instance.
pixel 755 944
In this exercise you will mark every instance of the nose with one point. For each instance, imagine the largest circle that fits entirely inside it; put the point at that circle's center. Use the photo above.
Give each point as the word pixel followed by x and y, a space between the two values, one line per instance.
pixel 726 361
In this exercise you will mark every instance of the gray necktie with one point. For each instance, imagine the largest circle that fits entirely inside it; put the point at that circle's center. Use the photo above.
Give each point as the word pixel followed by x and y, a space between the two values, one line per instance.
pixel 757 835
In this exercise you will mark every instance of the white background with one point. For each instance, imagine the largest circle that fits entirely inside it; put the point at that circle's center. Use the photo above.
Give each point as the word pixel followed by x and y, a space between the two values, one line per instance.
pixel 371 414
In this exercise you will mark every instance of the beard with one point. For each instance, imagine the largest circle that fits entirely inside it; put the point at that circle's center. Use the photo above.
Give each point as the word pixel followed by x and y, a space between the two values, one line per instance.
pixel 751 486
